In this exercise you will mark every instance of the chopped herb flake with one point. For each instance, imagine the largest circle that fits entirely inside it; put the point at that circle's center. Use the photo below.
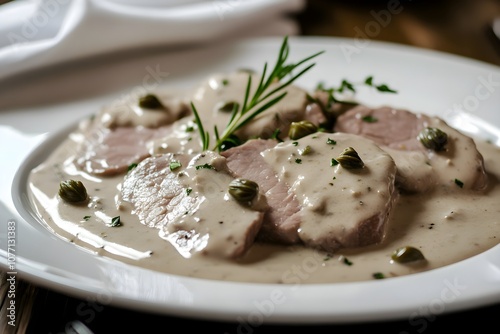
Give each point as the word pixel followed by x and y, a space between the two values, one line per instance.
pixel 115 222
pixel 174 165
pixel 378 275
pixel 347 85
pixel 330 141
pixel 385 89
pixel 298 161
pixel 131 166
pixel 369 119
pixel 86 218
pixel 188 191
pixel 204 166
pixel 295 143
pixel 459 183
pixel 334 162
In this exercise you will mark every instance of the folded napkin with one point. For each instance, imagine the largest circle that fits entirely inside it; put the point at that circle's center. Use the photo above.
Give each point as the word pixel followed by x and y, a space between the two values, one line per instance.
pixel 34 34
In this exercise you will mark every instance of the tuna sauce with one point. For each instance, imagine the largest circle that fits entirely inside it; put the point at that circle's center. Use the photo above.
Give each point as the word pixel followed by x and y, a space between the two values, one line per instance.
pixel 309 190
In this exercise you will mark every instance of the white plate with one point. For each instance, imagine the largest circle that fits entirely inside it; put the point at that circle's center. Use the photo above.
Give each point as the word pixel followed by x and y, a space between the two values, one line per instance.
pixel 429 82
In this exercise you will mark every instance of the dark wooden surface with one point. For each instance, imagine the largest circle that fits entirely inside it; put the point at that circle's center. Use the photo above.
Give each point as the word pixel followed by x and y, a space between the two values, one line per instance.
pixel 460 27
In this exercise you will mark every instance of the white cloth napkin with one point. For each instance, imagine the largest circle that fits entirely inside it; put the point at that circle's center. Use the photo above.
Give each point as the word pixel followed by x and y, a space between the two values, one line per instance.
pixel 38 33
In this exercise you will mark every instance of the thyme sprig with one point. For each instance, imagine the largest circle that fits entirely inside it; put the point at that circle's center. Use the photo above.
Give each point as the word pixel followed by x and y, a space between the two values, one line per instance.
pixel 260 100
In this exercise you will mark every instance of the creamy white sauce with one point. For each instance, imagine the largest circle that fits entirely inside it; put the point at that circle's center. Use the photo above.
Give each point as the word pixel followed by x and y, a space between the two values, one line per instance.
pixel 335 200
pixel 448 224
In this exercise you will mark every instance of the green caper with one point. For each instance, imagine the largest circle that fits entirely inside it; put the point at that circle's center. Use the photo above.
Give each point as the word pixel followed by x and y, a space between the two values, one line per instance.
pixel 407 254
pixel 227 106
pixel 150 101
pixel 243 190
pixel 73 191
pixel 301 129
pixel 433 138
pixel 350 159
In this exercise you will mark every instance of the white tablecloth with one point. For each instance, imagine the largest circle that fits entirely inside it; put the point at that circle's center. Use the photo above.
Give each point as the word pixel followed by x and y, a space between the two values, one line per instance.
pixel 38 33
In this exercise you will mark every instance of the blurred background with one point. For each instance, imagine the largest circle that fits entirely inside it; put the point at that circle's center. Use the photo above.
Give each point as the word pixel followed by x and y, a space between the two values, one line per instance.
pixel 462 27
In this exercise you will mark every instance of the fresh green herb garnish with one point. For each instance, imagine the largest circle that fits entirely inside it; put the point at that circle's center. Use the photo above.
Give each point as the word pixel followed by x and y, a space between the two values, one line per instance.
pixel 298 161
pixel 347 261
pixel 346 85
pixel 173 165
pixel 115 222
pixel 459 183
pixel 131 166
pixel 276 135
pixel 378 275
pixel 381 87
pixel 262 98
pixel 334 162
pixel 204 135
pixel 204 166
pixel 369 119
pixel 86 218
pixel 188 191
pixel 330 141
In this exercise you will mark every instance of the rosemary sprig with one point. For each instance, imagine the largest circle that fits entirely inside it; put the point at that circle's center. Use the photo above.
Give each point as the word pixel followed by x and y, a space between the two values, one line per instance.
pixel 204 135
pixel 262 98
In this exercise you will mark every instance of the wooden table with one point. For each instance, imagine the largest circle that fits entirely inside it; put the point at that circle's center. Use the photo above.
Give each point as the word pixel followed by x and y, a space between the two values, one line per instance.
pixel 456 26
pixel 461 27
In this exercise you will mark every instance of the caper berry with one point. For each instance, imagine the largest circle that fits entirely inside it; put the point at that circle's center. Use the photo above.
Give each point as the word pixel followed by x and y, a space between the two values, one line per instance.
pixel 433 138
pixel 407 254
pixel 350 159
pixel 301 129
pixel 73 191
pixel 243 190
pixel 150 101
